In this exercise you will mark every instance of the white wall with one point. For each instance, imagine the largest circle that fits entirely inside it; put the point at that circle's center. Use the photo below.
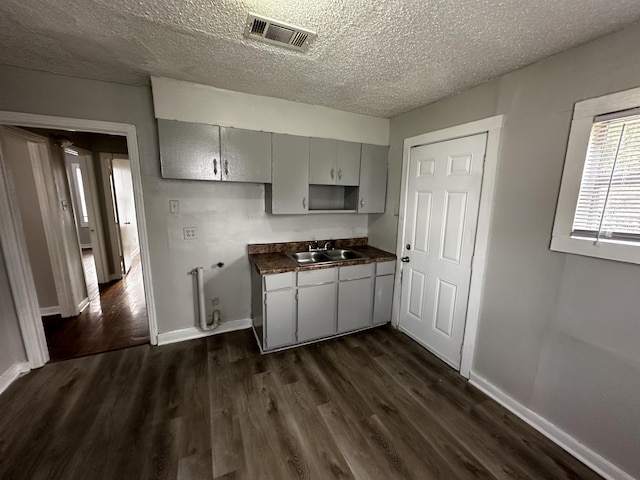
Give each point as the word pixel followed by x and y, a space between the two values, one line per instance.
pixel 559 333
pixel 190 102
pixel 228 215
pixel 11 346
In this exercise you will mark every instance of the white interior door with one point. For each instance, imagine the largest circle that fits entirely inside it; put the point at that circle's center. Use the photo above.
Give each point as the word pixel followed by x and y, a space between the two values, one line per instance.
pixel 125 209
pixel 443 198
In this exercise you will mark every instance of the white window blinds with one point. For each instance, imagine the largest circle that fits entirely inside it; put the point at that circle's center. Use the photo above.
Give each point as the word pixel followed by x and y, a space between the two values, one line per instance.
pixel 609 201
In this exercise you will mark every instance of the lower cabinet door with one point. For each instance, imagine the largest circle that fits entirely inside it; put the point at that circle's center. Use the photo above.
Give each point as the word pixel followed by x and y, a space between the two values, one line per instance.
pixel 279 319
pixel 354 304
pixel 316 311
pixel 382 298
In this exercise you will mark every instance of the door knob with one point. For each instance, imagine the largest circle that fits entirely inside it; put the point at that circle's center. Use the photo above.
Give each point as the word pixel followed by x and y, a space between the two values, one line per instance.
pixel 405 259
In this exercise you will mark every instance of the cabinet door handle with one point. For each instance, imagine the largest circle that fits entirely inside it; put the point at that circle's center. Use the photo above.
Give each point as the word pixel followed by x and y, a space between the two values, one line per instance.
pixel 226 168
pixel 340 174
pixel 362 202
pixel 215 166
pixel 304 202
pixel 405 259
pixel 332 173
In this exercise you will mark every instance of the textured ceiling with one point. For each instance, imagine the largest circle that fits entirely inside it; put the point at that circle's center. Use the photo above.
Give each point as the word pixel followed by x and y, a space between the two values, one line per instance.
pixel 377 57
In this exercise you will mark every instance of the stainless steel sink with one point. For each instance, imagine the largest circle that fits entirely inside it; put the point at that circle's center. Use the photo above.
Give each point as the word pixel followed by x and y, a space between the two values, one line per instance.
pixel 344 254
pixel 307 258
pixel 324 256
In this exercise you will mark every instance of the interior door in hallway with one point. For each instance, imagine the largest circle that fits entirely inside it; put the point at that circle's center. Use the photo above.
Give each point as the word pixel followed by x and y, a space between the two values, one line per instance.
pixel 125 209
pixel 442 202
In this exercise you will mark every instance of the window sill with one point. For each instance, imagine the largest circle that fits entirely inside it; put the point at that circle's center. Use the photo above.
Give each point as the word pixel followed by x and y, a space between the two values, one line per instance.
pixel 604 249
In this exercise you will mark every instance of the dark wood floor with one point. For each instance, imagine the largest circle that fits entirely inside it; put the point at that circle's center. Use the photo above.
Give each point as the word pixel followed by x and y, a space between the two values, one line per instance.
pixel 373 405
pixel 115 318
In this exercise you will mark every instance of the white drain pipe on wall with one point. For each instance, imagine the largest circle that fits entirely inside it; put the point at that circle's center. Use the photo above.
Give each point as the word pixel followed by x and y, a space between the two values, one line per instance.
pixel 202 312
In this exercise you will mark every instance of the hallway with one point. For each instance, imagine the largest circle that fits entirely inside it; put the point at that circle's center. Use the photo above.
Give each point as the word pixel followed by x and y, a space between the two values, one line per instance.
pixel 115 318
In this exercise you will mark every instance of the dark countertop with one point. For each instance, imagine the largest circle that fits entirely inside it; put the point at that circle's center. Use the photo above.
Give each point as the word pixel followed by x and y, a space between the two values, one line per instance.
pixel 278 262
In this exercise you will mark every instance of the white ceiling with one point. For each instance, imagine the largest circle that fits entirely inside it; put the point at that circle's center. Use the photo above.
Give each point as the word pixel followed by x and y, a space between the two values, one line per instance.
pixel 377 57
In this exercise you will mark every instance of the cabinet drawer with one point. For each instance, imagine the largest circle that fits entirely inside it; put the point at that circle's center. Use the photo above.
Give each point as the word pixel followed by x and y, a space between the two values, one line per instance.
pixel 385 268
pixel 278 281
pixel 356 271
pixel 317 277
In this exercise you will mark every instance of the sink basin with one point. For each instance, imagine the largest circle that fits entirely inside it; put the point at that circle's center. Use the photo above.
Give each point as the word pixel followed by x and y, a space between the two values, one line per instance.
pixel 343 254
pixel 307 258
pixel 324 256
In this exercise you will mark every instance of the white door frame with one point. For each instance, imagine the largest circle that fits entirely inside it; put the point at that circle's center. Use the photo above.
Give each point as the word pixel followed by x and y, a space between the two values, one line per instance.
pixel 15 253
pixel 492 126
pixel 85 159
pixel 23 287
pixel 40 158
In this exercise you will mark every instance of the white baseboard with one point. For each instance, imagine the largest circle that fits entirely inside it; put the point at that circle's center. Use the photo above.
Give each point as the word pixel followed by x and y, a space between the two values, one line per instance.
pixel 83 304
pixel 563 439
pixel 15 371
pixel 46 311
pixel 194 332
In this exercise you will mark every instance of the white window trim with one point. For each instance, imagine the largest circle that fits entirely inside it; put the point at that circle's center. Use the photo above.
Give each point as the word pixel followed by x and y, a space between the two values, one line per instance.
pixel 561 240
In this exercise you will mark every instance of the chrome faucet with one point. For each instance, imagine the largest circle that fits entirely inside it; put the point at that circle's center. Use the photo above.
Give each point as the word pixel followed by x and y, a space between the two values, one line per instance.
pixel 317 248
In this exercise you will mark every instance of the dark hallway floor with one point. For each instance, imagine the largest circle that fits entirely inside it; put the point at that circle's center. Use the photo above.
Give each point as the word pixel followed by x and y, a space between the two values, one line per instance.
pixel 115 318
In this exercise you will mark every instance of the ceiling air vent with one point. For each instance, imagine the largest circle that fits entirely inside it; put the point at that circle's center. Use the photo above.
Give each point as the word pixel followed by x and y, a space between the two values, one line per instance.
pixel 278 33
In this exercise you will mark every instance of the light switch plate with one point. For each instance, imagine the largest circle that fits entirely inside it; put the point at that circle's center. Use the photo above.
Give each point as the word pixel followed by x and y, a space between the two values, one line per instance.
pixel 174 206
pixel 190 233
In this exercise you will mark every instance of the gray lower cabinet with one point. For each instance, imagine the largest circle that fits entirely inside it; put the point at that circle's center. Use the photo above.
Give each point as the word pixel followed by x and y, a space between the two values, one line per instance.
pixel 279 318
pixel 383 292
pixel 316 311
pixel 289 191
pixel 289 308
pixel 273 309
pixel 373 179
pixel 354 304
pixel 189 151
pixel 245 155
pixel 355 297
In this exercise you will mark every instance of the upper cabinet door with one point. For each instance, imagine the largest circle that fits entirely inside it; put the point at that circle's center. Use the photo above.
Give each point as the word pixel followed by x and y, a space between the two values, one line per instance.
pixel 290 174
pixel 245 155
pixel 189 150
pixel 348 163
pixel 373 179
pixel 323 155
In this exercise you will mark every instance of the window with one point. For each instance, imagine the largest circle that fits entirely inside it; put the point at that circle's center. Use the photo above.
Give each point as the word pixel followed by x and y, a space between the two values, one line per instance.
pixel 84 217
pixel 598 210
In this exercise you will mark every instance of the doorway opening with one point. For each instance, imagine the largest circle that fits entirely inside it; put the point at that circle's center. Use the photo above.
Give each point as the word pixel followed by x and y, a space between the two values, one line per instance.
pixel 85 261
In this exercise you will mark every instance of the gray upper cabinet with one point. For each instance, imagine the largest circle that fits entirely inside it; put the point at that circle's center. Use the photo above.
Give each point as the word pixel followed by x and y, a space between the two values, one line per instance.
pixel 245 155
pixel 348 163
pixel 289 190
pixel 189 151
pixel 334 162
pixel 373 179
pixel 323 156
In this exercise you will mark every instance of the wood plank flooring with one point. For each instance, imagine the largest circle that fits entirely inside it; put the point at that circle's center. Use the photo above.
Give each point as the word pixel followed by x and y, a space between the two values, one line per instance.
pixel 115 318
pixel 374 405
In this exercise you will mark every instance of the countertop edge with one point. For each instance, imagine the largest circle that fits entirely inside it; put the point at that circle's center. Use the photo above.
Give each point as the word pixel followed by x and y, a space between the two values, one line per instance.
pixel 376 256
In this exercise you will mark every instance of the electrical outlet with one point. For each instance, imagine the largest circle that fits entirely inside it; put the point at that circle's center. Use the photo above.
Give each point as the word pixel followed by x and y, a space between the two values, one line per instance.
pixel 190 233
pixel 174 206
